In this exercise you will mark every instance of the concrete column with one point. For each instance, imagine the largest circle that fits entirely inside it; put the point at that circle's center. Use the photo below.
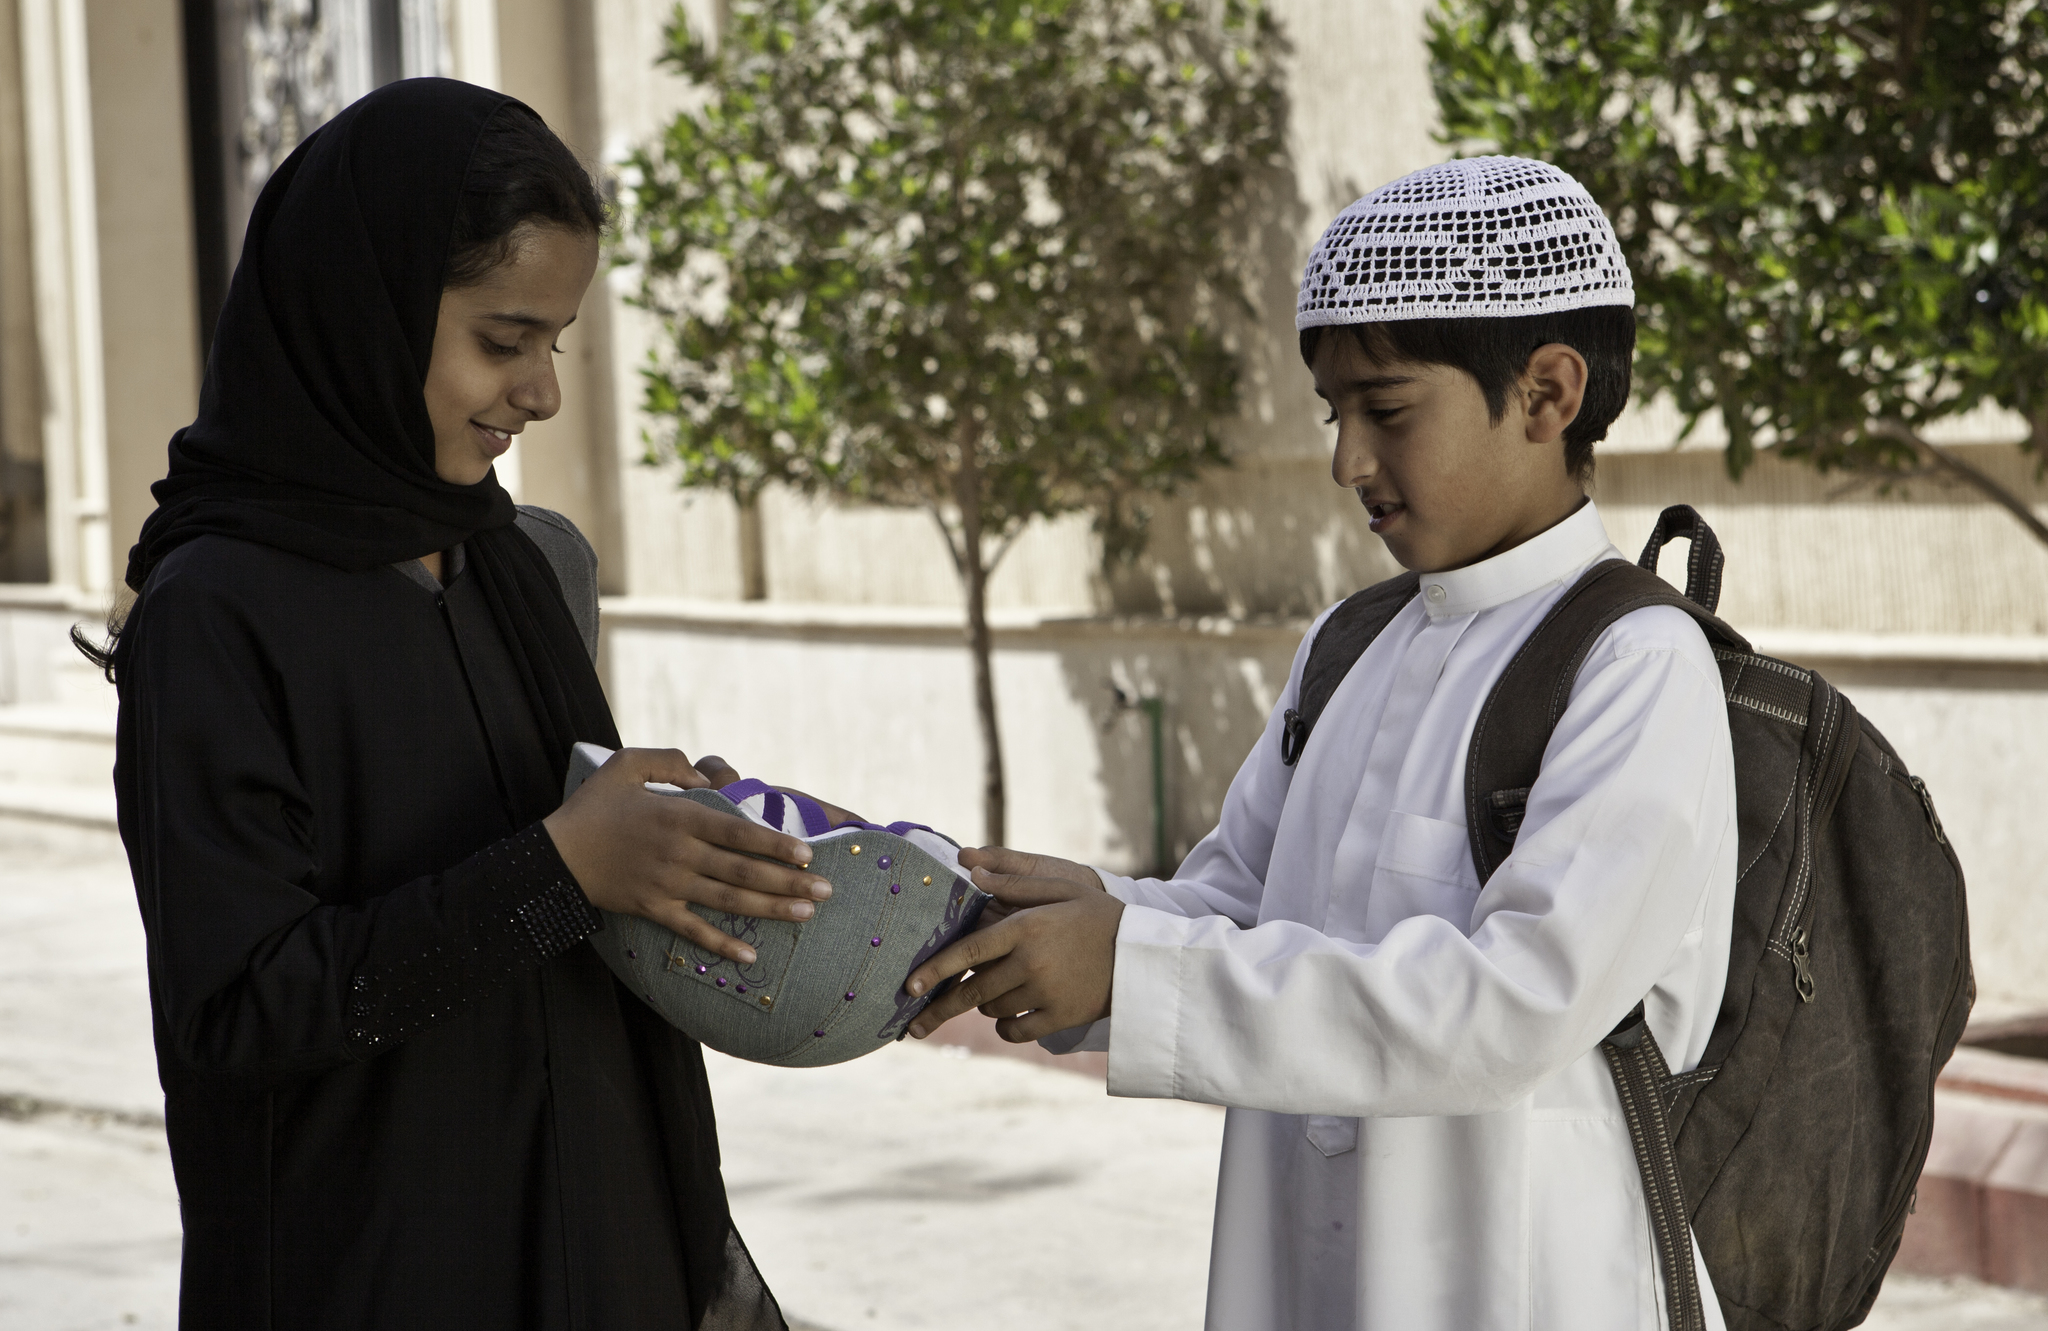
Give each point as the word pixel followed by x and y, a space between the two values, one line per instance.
pixel 469 41
pixel 148 289
pixel 64 242
pixel 544 59
pixel 24 538
pixel 665 542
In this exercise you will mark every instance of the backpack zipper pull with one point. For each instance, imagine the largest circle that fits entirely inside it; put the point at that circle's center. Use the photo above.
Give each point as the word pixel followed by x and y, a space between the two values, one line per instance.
pixel 1802 973
pixel 1927 802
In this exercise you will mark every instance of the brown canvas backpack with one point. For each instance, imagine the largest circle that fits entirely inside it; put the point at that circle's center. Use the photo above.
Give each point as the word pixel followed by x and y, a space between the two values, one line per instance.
pixel 1794 1148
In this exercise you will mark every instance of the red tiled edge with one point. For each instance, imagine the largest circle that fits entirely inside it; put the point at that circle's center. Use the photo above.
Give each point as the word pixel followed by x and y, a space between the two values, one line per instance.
pixel 1983 1201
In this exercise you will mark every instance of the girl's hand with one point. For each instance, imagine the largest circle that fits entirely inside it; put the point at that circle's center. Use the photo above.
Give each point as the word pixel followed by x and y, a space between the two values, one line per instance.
pixel 638 853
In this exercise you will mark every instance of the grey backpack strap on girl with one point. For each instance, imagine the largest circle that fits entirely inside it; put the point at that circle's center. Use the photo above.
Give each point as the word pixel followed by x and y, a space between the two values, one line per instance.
pixel 1793 1149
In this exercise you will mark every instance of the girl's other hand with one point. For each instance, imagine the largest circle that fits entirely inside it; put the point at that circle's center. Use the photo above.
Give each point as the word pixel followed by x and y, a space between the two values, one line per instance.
pixel 717 772
pixel 832 811
pixel 721 774
pixel 634 852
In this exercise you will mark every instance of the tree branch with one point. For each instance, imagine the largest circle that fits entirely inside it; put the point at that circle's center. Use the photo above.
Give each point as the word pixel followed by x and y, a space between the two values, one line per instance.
pixel 1003 546
pixel 952 546
pixel 1966 473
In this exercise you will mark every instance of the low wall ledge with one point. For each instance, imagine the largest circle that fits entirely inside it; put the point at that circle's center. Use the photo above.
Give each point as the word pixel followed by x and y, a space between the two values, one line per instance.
pixel 1819 648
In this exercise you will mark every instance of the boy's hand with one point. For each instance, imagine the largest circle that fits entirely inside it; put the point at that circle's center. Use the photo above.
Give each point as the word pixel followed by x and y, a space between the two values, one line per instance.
pixel 1044 969
pixel 638 853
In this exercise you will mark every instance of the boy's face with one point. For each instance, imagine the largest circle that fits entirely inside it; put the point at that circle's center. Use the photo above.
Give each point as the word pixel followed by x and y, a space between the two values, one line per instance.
pixel 1447 486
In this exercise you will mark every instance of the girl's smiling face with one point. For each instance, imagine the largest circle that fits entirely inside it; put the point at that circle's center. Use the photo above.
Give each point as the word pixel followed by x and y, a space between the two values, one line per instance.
pixel 1445 484
pixel 493 368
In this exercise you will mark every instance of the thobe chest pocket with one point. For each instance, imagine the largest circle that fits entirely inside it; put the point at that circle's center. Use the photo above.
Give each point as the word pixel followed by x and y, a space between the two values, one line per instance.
pixel 1424 867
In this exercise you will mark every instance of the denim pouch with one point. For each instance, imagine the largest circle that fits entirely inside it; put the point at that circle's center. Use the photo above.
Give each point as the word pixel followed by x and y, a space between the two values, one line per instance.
pixel 822 991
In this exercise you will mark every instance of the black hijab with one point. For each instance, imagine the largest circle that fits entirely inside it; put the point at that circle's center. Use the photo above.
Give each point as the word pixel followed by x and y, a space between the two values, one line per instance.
pixel 313 434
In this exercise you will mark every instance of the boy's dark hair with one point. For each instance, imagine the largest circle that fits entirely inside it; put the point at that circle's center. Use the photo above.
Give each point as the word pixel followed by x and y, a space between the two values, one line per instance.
pixel 519 173
pixel 1496 353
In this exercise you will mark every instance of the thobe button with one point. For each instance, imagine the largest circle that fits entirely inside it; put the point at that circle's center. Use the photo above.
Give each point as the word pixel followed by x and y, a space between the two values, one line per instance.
pixel 1436 592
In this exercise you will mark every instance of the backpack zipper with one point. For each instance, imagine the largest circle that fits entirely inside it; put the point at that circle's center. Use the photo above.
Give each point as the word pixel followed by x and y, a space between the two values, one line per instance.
pixel 1927 803
pixel 1802 973
pixel 1830 773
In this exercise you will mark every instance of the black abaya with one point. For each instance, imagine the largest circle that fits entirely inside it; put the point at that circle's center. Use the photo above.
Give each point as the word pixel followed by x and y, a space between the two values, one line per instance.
pixel 401 1090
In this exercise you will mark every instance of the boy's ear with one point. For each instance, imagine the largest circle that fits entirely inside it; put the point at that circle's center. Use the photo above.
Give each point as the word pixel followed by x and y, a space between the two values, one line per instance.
pixel 1553 389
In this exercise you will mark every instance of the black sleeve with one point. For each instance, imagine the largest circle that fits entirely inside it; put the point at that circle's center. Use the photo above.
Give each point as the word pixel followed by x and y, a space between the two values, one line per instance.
pixel 251 971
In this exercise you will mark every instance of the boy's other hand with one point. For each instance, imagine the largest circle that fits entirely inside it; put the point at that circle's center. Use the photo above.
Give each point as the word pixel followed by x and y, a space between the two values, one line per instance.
pixel 1044 969
pixel 1001 863
pixel 634 852
pixel 993 868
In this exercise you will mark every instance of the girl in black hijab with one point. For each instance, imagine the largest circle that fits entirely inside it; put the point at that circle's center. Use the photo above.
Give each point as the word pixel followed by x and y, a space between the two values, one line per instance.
pixel 401 1090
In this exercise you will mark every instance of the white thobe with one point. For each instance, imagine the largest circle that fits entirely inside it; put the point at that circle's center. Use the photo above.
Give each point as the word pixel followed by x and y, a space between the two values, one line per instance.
pixel 1423 1134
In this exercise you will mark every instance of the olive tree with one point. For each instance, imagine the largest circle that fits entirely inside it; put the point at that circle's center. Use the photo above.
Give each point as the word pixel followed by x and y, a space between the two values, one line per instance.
pixel 1837 212
pixel 979 257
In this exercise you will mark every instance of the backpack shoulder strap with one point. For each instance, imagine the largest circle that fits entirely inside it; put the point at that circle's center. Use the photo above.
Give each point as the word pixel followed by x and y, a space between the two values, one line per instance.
pixel 1345 635
pixel 1508 740
pixel 1514 724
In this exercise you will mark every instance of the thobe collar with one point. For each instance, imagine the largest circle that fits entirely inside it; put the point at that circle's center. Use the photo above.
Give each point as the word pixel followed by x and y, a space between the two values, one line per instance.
pixel 1545 559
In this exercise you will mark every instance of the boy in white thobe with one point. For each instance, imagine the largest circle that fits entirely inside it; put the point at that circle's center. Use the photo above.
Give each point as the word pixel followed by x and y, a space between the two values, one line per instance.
pixel 1423 1134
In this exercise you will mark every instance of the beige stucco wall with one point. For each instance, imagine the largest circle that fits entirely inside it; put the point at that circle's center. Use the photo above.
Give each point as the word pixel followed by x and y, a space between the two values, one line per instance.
pixel 1272 535
pixel 851 678
pixel 873 709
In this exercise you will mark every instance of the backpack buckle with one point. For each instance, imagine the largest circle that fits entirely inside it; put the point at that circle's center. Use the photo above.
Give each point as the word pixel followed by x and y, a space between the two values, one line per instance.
pixel 1505 810
pixel 1293 737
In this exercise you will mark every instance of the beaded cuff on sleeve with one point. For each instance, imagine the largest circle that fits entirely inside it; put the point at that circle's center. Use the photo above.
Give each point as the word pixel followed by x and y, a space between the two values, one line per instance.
pixel 529 910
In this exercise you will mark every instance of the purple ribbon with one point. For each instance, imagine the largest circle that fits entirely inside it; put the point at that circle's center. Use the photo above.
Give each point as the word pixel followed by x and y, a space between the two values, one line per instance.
pixel 816 821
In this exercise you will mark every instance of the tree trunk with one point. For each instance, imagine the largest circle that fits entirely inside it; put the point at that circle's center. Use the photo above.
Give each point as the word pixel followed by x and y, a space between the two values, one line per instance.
pixel 1968 475
pixel 753 551
pixel 974 581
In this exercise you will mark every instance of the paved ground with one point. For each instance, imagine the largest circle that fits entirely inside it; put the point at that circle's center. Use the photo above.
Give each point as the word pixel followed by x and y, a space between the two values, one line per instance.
pixel 920 1187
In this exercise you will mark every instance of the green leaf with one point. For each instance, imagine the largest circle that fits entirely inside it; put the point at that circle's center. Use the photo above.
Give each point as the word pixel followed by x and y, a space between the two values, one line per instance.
pixel 1819 239
pixel 892 244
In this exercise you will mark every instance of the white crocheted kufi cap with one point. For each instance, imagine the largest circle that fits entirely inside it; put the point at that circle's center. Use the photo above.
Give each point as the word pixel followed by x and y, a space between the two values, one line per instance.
pixel 1479 238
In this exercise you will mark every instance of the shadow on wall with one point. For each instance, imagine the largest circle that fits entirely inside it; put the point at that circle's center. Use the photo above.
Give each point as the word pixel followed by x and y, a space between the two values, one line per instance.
pixel 1215 690
pixel 1270 537
pixel 1265 546
pixel 1274 537
pixel 1271 534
